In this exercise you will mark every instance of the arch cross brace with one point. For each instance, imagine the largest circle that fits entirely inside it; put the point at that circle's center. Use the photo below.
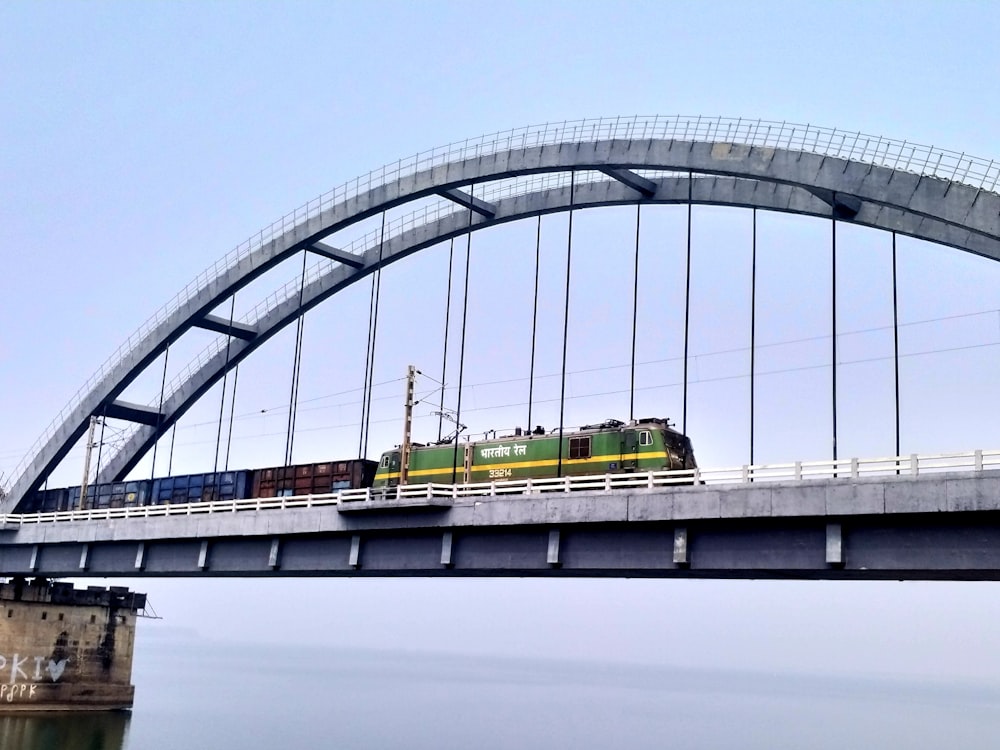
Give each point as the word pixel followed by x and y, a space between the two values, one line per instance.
pixel 462 198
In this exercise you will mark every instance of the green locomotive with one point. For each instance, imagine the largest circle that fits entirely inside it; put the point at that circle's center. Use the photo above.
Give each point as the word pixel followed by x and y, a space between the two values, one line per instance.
pixel 610 447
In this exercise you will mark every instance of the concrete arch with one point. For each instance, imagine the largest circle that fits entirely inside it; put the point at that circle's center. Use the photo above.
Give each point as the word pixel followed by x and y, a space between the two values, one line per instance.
pixel 784 173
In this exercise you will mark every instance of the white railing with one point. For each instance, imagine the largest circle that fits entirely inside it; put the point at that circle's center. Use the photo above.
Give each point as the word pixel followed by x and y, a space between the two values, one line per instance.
pixel 842 469
pixel 982 174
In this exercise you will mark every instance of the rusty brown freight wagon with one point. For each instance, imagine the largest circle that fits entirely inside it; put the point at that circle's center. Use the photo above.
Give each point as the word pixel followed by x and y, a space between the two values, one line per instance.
pixel 313 479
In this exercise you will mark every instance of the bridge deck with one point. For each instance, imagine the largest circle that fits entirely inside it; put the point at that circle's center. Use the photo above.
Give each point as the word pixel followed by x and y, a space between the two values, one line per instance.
pixel 940 526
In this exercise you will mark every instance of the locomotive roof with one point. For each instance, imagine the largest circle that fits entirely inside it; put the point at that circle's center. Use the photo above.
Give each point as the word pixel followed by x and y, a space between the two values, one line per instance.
pixel 610 425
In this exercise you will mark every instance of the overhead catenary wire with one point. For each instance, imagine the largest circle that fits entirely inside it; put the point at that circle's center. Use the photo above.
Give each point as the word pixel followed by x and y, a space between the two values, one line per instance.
pixel 780 370
pixel 602 368
pixel 597 394
pixel 17 453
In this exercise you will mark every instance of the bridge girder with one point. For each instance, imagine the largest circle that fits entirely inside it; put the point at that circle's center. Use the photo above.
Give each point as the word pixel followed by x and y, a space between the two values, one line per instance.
pixel 924 206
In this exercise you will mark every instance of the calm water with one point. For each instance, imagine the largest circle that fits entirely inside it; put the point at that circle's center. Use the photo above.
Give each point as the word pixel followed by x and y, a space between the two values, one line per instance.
pixel 193 694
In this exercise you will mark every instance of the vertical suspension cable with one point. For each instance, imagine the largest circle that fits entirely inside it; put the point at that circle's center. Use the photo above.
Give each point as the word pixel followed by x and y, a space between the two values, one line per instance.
pixel 232 414
pixel 569 258
pixel 369 348
pixel 225 376
pixel 895 336
pixel 833 317
pixel 461 353
pixel 159 412
pixel 534 321
pixel 374 337
pixel 447 322
pixel 222 398
pixel 170 458
pixel 753 327
pixel 368 361
pixel 635 313
pixel 100 441
pixel 687 306
pixel 293 398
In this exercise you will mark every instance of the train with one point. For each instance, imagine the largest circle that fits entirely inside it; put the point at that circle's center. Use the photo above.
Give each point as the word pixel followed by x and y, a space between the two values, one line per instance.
pixel 613 446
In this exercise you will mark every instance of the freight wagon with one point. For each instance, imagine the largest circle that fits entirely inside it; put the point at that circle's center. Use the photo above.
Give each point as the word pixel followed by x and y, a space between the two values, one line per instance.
pixel 201 488
pixel 302 479
pixel 313 479
pixel 111 495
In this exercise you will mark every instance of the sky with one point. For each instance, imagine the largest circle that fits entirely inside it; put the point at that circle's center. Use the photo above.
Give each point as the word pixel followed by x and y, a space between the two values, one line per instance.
pixel 143 142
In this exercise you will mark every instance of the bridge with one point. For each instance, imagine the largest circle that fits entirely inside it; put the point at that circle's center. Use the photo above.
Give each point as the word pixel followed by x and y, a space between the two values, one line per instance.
pixel 851 518
pixel 933 517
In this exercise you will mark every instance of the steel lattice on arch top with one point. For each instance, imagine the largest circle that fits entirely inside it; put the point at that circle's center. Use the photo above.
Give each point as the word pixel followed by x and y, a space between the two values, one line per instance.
pixel 941 196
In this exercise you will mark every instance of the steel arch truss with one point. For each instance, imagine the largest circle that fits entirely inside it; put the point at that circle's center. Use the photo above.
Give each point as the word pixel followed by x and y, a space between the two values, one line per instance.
pixel 618 172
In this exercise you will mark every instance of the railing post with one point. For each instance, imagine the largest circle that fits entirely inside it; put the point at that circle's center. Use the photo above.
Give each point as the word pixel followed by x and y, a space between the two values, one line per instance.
pixel 649 480
pixel 914 464
pixel 746 474
pixel 979 460
pixel 607 482
pixel 854 468
pixel 798 471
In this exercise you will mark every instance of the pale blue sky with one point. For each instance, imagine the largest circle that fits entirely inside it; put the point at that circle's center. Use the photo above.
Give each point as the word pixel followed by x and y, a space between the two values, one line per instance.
pixel 140 142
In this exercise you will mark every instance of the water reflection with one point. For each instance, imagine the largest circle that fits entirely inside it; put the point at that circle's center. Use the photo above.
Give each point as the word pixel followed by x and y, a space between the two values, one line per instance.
pixel 104 730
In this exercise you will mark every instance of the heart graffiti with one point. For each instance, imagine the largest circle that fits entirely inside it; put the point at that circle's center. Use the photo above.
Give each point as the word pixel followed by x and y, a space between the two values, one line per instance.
pixel 56 669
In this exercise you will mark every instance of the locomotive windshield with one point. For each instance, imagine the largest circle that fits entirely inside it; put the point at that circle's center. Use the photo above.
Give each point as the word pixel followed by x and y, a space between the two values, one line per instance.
pixel 678 443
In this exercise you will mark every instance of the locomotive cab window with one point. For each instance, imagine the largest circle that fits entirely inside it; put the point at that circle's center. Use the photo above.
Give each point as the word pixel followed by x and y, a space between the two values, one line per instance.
pixel 645 437
pixel 385 461
pixel 579 447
